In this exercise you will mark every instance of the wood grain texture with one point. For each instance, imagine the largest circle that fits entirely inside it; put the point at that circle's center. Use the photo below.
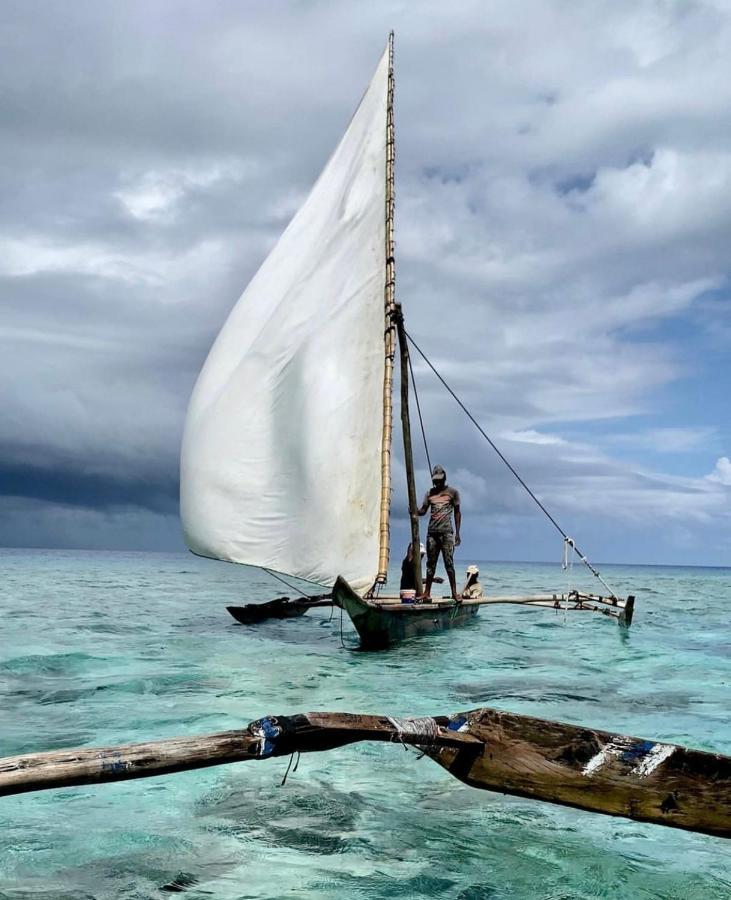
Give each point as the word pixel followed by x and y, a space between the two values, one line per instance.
pixel 586 768
pixel 595 770
pixel 271 736
pixel 63 768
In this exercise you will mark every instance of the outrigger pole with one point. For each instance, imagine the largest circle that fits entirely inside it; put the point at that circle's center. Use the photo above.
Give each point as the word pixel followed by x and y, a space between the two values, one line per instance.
pixel 497 751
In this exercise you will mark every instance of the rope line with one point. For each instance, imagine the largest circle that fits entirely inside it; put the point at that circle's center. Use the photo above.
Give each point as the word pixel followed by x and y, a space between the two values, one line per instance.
pixel 568 566
pixel 418 409
pixel 424 725
pixel 489 440
pixel 342 640
pixel 296 766
pixel 292 587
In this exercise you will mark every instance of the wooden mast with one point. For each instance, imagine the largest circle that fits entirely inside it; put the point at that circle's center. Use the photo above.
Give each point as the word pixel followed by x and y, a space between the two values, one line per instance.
pixel 394 322
pixel 390 337
pixel 408 451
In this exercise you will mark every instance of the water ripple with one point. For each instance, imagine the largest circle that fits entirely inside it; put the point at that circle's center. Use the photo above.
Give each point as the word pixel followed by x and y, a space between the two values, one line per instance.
pixel 106 648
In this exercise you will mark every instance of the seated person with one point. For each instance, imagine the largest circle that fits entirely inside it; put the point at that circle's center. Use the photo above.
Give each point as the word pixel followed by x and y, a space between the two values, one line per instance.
pixel 472 588
pixel 407 569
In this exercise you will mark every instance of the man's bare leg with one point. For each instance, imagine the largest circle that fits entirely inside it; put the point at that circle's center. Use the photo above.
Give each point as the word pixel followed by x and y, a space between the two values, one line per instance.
pixel 432 558
pixel 427 590
pixel 453 584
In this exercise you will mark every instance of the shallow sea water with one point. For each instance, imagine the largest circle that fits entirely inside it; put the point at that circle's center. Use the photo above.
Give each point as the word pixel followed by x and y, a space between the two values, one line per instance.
pixel 101 648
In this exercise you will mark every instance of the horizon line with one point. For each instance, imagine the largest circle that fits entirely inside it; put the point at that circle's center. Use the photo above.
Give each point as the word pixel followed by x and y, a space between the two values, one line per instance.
pixel 526 562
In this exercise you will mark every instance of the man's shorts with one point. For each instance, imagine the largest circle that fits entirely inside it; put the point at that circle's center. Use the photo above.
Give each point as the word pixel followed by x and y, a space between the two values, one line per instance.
pixel 436 542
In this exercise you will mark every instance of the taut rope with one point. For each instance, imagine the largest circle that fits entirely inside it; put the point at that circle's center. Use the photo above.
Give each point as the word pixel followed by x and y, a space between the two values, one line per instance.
pixel 418 409
pixel 489 440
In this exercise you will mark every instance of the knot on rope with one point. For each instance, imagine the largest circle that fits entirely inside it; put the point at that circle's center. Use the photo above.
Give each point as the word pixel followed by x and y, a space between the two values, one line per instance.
pixel 276 734
pixel 424 726
pixel 568 545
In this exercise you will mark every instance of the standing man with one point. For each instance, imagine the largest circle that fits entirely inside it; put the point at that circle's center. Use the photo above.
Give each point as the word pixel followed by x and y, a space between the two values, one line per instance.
pixel 443 501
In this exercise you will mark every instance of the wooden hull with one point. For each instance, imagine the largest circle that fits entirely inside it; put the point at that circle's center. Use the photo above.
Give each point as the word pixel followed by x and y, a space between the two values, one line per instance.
pixel 382 623
pixel 591 769
pixel 281 608
pixel 253 613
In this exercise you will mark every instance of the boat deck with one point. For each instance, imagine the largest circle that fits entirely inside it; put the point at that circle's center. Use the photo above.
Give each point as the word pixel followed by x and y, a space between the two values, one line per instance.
pixel 617 607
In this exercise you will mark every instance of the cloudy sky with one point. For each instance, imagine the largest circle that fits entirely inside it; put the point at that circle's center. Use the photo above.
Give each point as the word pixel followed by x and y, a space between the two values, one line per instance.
pixel 563 230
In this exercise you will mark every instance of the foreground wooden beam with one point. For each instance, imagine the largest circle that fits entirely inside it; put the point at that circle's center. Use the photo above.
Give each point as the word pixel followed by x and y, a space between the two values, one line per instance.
pixel 648 781
pixel 498 751
pixel 272 736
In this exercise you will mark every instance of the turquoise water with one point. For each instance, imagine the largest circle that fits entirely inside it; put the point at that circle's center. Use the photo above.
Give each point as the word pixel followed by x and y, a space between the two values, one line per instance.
pixel 103 648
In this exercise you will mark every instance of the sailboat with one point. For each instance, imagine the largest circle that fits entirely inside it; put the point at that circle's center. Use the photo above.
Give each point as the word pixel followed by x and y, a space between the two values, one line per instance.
pixel 287 449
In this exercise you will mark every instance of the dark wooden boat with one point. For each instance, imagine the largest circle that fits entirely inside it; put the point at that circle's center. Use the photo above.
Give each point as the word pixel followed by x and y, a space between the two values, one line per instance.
pixel 528 757
pixel 384 621
pixel 280 608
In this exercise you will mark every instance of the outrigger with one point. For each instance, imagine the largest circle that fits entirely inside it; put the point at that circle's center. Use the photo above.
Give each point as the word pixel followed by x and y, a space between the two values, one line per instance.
pixel 279 608
pixel 383 621
pixel 585 768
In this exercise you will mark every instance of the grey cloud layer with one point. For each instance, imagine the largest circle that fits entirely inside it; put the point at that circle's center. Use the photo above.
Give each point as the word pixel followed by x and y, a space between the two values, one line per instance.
pixel 564 175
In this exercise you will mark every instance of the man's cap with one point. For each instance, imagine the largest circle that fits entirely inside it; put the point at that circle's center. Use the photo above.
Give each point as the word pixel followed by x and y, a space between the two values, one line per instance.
pixel 438 472
pixel 473 570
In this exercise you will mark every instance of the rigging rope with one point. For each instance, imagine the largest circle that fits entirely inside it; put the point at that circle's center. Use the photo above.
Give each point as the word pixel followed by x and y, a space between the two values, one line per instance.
pixel 568 566
pixel 296 766
pixel 292 587
pixel 489 440
pixel 418 409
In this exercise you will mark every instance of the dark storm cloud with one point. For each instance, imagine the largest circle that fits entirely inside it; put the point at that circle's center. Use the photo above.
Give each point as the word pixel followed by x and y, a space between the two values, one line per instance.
pixel 563 184
pixel 67 484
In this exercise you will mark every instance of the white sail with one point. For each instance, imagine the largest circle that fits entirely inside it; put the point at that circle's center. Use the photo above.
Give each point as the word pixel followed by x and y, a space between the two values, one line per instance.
pixel 281 456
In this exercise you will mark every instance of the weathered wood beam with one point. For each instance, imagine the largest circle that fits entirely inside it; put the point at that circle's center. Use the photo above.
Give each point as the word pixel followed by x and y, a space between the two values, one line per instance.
pixel 551 761
pixel 648 781
pixel 272 736
pixel 66 768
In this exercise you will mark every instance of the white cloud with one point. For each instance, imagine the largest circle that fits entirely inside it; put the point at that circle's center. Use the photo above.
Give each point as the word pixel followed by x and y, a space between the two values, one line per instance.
pixel 21 258
pixel 674 193
pixel 666 440
pixel 154 194
pixel 722 471
pixel 141 266
pixel 530 436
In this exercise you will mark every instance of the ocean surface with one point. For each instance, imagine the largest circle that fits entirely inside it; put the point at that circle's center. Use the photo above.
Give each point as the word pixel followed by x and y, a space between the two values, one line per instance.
pixel 103 648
